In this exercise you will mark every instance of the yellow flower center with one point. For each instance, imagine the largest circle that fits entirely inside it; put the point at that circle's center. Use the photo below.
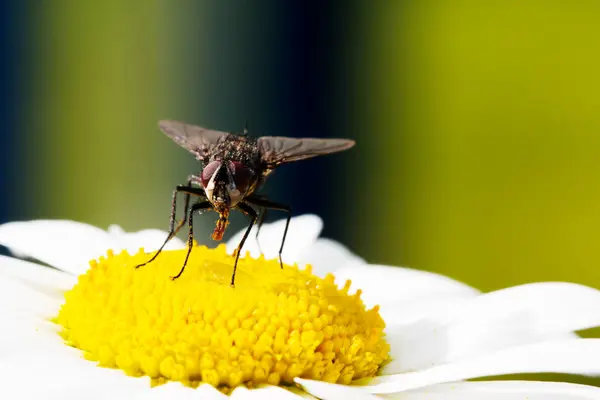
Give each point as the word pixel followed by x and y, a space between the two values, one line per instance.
pixel 275 325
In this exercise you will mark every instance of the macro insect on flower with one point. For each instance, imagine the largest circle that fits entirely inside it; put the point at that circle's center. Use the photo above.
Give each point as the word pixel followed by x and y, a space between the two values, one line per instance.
pixel 234 167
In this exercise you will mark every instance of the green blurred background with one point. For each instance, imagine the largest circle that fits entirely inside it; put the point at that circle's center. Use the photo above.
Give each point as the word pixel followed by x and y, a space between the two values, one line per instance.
pixel 477 123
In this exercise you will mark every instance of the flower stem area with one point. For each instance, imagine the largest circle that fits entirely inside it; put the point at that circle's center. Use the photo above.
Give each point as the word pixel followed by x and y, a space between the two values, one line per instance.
pixel 275 325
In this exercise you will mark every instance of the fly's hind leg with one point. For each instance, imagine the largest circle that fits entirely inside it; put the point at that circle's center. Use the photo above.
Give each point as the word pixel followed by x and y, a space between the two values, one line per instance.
pixel 261 219
pixel 269 205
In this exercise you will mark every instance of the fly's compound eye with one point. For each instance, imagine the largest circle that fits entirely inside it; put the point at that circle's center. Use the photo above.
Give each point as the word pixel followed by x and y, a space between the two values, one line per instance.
pixel 209 171
pixel 242 175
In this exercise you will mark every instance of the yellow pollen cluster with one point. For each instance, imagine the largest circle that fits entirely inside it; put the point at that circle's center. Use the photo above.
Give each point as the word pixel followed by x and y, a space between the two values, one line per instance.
pixel 275 325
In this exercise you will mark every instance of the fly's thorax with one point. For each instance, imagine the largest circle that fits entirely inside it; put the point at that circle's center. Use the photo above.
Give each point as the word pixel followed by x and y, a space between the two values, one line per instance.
pixel 227 182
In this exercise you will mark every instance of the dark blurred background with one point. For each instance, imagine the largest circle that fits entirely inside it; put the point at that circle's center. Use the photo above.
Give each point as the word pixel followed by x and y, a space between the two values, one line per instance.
pixel 477 123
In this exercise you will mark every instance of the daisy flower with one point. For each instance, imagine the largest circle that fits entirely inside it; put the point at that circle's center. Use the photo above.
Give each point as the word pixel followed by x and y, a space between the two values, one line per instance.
pixel 75 328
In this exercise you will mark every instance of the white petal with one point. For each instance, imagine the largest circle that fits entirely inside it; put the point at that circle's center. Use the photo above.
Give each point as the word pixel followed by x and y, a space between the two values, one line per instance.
pixel 240 393
pixel 326 255
pixel 67 245
pixel 57 377
pixel 67 375
pixel 383 284
pixel 552 307
pixel 327 391
pixel 276 392
pixel 577 356
pixel 34 339
pixel 266 392
pixel 176 390
pixel 49 281
pixel 403 313
pixel 208 392
pixel 303 231
pixel 29 335
pixel 509 317
pixel 60 370
pixel 149 239
pixel 501 390
pixel 425 344
pixel 41 345
pixel 28 304
pixel 17 298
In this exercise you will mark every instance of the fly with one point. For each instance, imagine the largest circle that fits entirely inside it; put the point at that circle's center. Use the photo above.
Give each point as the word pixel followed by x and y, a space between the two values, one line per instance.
pixel 234 167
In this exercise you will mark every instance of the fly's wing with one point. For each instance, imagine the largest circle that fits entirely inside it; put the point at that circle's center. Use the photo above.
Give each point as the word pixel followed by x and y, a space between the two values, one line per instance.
pixel 276 150
pixel 197 140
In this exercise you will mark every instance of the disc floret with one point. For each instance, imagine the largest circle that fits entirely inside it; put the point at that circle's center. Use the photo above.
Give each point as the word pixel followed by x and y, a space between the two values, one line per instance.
pixel 275 325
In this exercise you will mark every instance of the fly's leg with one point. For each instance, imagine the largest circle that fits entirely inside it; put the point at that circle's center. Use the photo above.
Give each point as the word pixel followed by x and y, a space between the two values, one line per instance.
pixel 188 190
pixel 173 232
pixel 246 209
pixel 262 215
pixel 203 205
pixel 269 205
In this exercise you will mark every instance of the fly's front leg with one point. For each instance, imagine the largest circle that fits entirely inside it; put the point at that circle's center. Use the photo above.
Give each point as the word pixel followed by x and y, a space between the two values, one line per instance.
pixel 269 205
pixel 188 190
pixel 172 229
pixel 203 205
pixel 248 210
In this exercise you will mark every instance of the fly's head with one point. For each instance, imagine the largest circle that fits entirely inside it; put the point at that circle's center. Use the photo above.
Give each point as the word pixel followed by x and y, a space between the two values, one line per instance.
pixel 226 183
